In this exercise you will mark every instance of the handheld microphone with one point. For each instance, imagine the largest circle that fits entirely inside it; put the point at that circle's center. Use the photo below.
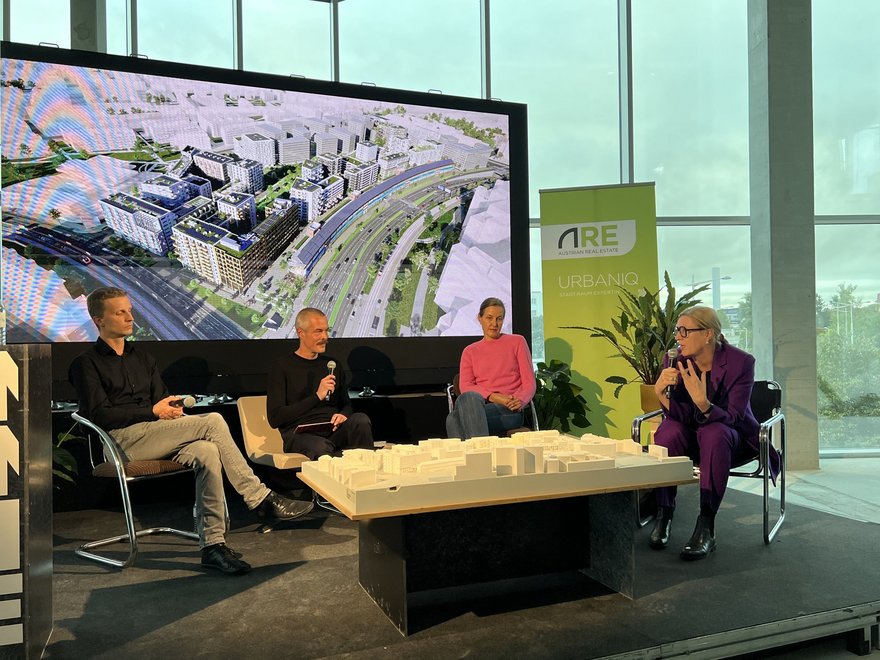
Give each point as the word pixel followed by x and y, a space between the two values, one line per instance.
pixel 672 358
pixel 331 366
pixel 187 401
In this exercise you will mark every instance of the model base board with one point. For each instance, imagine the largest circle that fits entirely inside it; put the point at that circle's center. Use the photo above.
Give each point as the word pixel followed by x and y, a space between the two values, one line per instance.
pixel 449 473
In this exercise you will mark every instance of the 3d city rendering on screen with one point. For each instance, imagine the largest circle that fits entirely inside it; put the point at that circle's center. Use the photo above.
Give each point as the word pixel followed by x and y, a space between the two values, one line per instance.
pixel 223 208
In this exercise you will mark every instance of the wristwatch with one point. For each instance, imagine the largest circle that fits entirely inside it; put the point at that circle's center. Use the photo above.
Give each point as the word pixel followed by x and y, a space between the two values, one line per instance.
pixel 708 410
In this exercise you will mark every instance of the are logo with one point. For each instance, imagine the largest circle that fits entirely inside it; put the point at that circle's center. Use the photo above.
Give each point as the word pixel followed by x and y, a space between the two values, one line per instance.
pixel 589 239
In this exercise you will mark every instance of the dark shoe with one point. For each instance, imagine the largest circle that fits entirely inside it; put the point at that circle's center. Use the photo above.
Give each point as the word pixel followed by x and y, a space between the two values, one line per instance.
pixel 702 541
pixel 283 508
pixel 220 556
pixel 662 525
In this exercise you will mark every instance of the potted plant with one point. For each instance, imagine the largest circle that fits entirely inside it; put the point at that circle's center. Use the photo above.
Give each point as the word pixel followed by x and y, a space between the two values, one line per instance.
pixel 64 464
pixel 558 401
pixel 642 333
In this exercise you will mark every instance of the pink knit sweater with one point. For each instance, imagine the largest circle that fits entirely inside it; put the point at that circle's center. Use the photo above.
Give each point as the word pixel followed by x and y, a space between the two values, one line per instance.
pixel 502 365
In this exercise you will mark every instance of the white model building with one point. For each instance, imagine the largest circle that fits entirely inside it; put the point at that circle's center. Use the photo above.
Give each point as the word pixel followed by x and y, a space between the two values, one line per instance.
pixel 448 472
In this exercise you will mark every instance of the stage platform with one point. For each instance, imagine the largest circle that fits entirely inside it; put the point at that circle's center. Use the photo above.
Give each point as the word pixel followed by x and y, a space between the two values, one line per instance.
pixel 821 576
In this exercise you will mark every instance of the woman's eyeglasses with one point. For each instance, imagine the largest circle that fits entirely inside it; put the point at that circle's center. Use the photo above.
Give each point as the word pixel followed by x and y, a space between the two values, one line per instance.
pixel 683 331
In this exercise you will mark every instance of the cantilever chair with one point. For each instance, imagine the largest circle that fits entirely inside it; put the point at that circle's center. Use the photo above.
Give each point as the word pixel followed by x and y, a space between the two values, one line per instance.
pixel 453 390
pixel 766 401
pixel 117 465
pixel 264 445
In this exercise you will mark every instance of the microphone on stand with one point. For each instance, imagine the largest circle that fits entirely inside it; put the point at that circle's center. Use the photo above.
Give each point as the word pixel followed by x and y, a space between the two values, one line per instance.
pixel 187 401
pixel 331 366
pixel 672 358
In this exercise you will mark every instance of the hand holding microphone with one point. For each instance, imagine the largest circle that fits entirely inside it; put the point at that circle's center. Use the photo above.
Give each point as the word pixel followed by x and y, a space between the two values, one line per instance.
pixel 331 367
pixel 187 401
pixel 172 407
pixel 671 359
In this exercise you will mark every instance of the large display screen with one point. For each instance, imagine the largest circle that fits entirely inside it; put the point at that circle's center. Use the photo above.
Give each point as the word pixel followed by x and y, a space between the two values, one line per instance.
pixel 224 202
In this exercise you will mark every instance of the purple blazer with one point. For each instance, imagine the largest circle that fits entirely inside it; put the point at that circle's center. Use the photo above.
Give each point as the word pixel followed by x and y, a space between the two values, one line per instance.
pixel 729 388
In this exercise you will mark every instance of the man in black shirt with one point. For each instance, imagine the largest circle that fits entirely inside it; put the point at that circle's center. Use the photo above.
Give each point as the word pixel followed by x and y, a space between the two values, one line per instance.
pixel 305 390
pixel 120 390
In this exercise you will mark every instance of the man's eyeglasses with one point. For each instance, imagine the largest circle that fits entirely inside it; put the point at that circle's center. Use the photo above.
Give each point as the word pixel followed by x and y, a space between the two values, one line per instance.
pixel 683 331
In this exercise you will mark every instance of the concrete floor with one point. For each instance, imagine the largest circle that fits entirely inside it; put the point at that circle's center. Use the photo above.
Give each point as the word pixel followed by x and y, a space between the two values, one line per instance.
pixel 847 487
pixel 308 568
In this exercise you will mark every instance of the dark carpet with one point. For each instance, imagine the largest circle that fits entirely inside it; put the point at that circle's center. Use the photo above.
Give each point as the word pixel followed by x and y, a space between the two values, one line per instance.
pixel 302 600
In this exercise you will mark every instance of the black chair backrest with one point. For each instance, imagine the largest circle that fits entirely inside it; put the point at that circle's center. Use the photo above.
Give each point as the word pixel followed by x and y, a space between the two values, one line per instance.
pixel 766 399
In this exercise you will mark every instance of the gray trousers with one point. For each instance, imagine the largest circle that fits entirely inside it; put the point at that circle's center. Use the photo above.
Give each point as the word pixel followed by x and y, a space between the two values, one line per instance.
pixel 204 443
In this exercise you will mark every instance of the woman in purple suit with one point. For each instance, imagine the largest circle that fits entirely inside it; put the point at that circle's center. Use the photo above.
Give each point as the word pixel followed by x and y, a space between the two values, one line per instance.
pixel 705 394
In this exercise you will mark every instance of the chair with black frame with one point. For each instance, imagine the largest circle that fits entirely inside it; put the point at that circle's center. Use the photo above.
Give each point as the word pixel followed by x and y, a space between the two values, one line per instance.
pixel 117 465
pixel 766 403
pixel 264 446
pixel 453 390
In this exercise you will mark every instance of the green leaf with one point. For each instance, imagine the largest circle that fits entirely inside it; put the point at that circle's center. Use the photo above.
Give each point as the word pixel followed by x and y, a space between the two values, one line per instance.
pixel 557 400
pixel 642 331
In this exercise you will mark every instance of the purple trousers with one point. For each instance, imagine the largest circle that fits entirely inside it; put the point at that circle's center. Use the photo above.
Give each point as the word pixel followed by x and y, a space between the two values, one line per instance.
pixel 714 447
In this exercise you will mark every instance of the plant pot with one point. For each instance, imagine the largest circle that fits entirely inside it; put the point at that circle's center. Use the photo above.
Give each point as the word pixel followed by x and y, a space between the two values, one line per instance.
pixel 649 402
pixel 649 398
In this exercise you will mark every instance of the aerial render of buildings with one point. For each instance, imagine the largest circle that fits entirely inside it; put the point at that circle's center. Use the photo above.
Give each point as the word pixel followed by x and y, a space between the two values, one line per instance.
pixel 479 263
pixel 203 202
pixel 232 260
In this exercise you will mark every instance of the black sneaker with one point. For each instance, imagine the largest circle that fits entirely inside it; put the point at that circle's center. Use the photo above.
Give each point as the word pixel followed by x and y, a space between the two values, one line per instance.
pixel 221 557
pixel 283 508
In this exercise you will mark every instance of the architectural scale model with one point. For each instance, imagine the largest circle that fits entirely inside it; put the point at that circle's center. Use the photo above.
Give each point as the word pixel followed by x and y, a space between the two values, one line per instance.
pixel 447 473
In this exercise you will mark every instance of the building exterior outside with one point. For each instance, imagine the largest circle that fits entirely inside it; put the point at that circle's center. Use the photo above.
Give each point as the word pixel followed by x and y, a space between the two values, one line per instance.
pixel 257 147
pixel 292 150
pixel 239 210
pixel 213 165
pixel 248 174
pixel 139 221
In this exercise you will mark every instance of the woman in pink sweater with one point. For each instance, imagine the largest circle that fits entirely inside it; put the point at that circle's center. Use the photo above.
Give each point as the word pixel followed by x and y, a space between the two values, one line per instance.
pixel 496 378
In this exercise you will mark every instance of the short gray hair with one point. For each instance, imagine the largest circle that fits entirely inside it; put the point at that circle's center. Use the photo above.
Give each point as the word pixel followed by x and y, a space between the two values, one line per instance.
pixel 303 316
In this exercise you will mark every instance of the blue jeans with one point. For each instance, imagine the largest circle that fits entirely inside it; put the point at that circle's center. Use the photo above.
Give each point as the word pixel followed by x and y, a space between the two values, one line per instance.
pixel 472 417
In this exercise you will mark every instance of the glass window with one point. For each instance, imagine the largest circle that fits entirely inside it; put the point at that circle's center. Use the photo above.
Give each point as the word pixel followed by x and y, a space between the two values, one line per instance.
pixel 117 27
pixel 287 37
pixel 848 336
pixel 690 104
pixel 846 106
pixel 569 82
pixel 430 44
pixel 195 32
pixel 691 257
pixel 33 21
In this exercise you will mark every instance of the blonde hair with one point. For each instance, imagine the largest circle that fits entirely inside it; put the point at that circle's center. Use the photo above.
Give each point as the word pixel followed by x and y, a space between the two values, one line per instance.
pixel 706 318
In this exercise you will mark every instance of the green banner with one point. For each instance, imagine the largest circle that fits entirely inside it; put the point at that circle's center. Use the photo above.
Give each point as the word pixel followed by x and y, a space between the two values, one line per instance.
pixel 593 241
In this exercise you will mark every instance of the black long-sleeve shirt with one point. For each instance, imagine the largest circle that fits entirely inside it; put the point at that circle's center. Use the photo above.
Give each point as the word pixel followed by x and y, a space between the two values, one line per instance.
pixel 116 391
pixel 291 393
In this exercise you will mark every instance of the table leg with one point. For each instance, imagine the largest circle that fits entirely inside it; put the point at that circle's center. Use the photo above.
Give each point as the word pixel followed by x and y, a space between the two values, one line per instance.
pixel 613 522
pixel 405 555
